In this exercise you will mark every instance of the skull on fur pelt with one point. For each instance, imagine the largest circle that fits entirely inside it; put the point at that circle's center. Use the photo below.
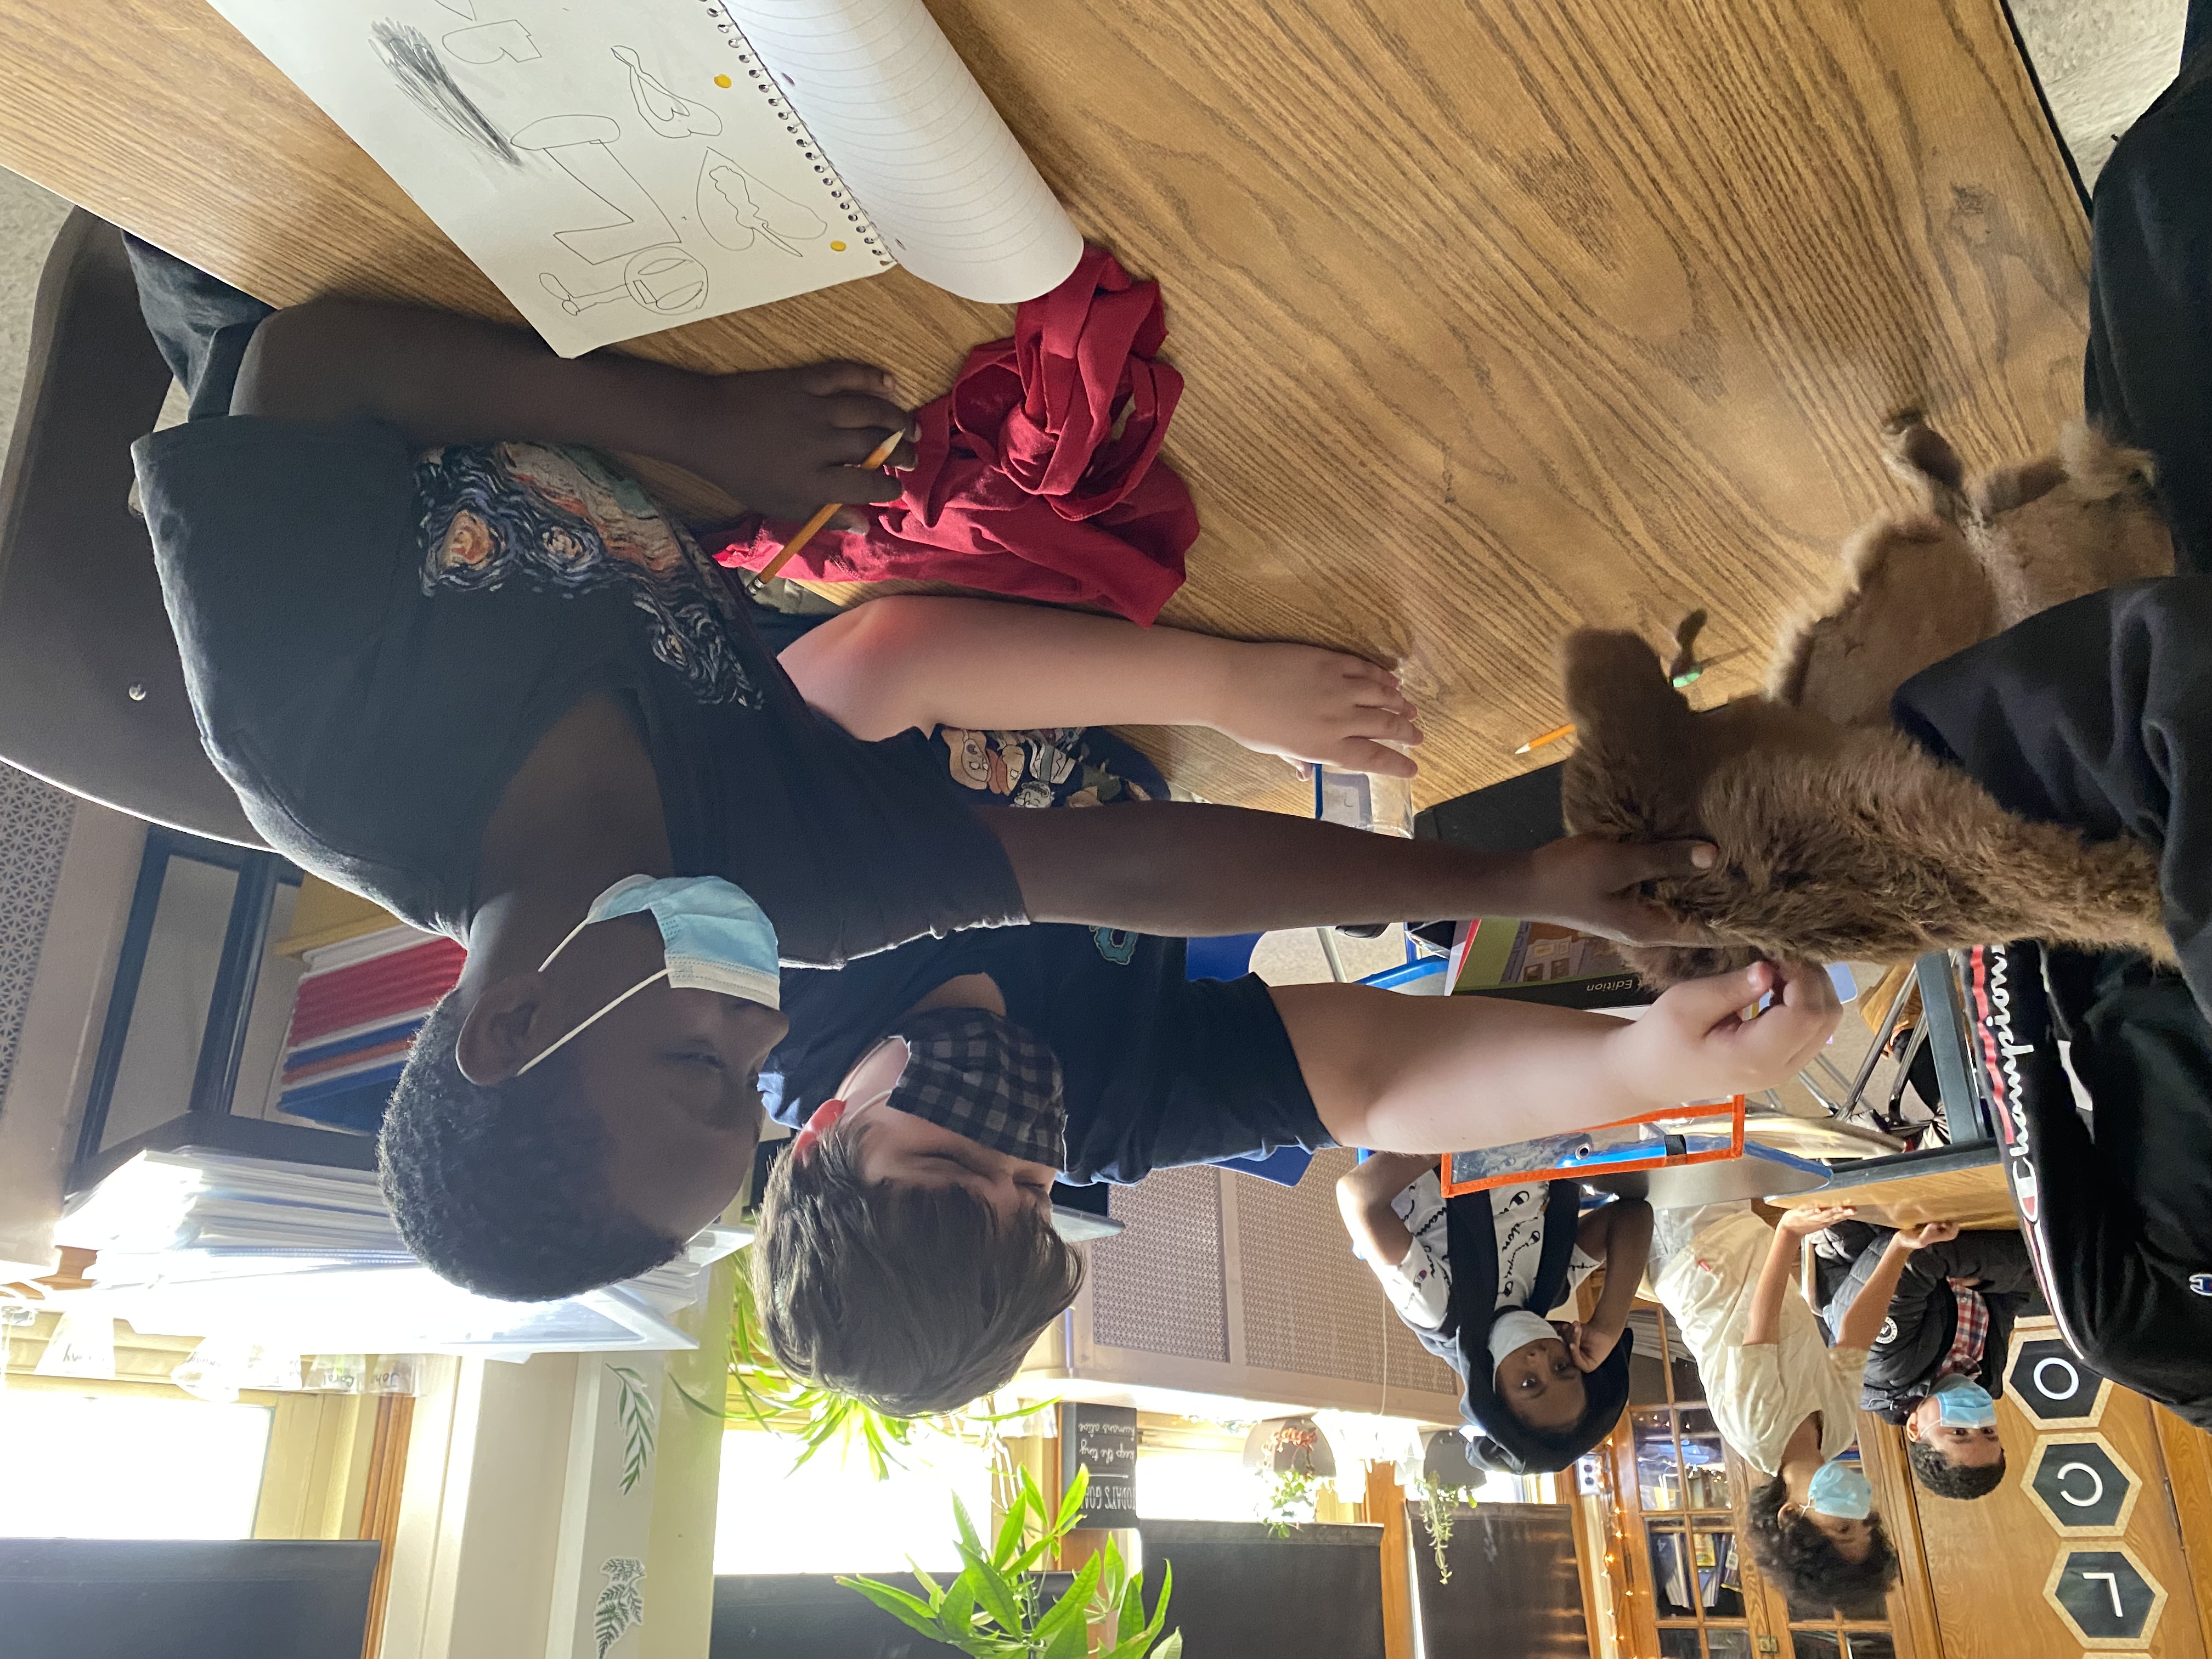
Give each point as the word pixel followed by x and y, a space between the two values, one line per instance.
pixel 1839 838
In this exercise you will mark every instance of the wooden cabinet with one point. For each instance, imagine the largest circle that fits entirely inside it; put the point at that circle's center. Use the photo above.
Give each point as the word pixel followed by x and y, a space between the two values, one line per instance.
pixel 1687 1586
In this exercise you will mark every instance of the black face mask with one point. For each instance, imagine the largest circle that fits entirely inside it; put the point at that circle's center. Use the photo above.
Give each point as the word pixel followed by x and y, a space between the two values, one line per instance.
pixel 979 1074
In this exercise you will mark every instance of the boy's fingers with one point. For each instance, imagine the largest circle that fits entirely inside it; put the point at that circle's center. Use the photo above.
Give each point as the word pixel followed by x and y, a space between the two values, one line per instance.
pixel 1657 861
pixel 1702 1004
pixel 852 412
pixel 853 483
pixel 1360 755
pixel 841 374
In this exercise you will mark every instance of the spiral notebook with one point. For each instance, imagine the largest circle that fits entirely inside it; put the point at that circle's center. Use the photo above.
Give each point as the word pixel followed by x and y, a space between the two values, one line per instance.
pixel 619 169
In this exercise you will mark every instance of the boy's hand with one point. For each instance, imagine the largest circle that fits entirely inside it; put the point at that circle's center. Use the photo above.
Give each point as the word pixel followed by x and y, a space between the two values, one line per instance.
pixel 786 442
pixel 1694 1044
pixel 1804 1218
pixel 1909 1239
pixel 1590 882
pixel 1588 1346
pixel 1308 705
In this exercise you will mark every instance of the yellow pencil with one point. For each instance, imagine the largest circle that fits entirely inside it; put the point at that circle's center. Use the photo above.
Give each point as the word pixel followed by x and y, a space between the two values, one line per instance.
pixel 882 453
pixel 1552 735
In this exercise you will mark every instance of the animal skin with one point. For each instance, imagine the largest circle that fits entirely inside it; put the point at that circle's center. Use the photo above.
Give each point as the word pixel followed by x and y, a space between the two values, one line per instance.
pixel 1840 839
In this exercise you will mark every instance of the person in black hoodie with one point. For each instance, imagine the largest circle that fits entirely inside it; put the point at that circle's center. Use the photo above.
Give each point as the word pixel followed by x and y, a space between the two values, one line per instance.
pixel 1939 1363
pixel 1473 1276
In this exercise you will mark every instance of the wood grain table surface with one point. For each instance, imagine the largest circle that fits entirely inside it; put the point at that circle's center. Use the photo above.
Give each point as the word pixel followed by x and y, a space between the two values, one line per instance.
pixel 1497 319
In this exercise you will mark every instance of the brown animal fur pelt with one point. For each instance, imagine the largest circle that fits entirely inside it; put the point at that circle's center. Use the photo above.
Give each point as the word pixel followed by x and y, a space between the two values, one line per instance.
pixel 1914 588
pixel 1839 838
pixel 1836 842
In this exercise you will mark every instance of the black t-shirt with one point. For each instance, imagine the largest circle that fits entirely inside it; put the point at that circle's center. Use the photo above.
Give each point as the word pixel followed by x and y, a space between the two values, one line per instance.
pixel 375 639
pixel 2096 714
pixel 1159 1069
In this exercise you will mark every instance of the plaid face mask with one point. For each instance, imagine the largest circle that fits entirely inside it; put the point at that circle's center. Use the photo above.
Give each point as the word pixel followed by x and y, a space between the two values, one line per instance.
pixel 979 1074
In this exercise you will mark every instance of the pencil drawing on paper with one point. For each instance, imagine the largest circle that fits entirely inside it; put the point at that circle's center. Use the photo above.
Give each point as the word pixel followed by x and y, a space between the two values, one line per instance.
pixel 582 147
pixel 633 233
pixel 414 63
pixel 735 207
pixel 666 281
pixel 486 42
pixel 666 113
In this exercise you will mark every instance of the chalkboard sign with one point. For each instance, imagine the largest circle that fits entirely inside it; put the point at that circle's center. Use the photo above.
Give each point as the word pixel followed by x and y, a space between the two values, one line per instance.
pixel 1103 1439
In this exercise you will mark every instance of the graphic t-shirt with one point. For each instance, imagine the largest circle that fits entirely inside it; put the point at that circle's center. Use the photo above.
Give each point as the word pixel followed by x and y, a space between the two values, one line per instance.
pixel 375 638
pixel 1420 1287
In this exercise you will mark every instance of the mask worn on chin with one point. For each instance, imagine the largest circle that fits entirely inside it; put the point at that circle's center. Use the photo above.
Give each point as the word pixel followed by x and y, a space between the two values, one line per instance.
pixel 1841 1491
pixel 714 936
pixel 1963 1403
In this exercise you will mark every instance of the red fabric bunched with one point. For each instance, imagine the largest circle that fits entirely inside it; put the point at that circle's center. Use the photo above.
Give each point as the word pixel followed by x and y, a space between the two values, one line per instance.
pixel 1022 484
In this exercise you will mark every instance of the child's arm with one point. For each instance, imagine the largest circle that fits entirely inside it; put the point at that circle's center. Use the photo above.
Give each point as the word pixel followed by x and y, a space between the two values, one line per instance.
pixel 1438 1074
pixel 1364 1196
pixel 917 661
pixel 1784 1255
pixel 783 441
pixel 1862 1321
pixel 1620 1235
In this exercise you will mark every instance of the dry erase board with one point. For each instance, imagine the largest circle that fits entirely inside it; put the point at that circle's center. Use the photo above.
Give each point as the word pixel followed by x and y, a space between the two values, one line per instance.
pixel 1103 1439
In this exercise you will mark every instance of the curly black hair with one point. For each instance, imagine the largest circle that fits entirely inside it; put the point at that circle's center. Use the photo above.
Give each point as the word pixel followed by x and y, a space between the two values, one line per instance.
pixel 501 1189
pixel 1800 1558
pixel 1933 1469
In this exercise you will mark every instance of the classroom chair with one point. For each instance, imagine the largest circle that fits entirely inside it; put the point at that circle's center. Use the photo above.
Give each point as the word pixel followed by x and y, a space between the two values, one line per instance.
pixel 92 690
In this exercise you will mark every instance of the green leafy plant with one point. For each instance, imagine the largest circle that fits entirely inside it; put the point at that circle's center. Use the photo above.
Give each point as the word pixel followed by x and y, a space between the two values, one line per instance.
pixel 1289 1457
pixel 991 1610
pixel 1439 1501
pixel 1289 1500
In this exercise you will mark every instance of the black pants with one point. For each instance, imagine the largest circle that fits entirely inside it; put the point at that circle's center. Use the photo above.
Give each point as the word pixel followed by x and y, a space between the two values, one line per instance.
pixel 201 323
pixel 2149 376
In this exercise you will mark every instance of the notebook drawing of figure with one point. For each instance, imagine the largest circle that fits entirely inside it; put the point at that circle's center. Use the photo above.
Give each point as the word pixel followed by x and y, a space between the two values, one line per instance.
pixel 618 169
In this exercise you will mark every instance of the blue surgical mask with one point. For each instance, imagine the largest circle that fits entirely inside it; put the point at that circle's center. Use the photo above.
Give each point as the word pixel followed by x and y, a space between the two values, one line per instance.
pixel 1964 1403
pixel 714 938
pixel 1841 1491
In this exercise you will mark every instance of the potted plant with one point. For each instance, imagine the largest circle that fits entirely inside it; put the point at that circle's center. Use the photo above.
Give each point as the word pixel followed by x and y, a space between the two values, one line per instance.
pixel 991 1610
pixel 1294 1457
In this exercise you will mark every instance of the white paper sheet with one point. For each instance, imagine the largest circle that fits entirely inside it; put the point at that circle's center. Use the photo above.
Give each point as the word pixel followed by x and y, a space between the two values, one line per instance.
pixel 619 169
pixel 954 196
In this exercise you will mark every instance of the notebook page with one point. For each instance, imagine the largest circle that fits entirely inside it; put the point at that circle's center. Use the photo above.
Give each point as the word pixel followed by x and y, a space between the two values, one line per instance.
pixel 615 170
pixel 950 191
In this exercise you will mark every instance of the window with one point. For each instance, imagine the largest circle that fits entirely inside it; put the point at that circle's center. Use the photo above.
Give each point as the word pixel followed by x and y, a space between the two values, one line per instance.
pixel 828 1516
pixel 97 1465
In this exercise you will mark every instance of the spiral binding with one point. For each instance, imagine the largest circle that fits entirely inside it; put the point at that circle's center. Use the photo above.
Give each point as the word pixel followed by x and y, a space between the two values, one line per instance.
pixel 763 81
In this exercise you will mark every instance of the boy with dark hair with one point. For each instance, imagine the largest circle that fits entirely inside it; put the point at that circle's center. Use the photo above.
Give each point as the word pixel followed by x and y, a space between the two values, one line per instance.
pixel 1474 1277
pixel 1937 1365
pixel 966 1074
pixel 453 658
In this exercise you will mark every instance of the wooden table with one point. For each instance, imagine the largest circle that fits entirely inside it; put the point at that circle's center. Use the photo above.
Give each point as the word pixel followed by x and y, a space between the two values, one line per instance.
pixel 1497 318
pixel 1965 1185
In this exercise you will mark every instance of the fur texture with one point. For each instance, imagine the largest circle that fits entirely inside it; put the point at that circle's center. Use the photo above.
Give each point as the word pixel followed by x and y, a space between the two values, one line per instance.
pixel 1839 838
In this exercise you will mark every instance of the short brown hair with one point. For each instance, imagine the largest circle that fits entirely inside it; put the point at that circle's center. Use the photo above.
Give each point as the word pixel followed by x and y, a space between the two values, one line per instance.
pixel 912 1298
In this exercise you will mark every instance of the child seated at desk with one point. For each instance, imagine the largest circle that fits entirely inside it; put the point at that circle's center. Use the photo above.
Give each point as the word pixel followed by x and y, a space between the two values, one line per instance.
pixel 453 658
pixel 1473 1277
pixel 1786 1401
pixel 906 1251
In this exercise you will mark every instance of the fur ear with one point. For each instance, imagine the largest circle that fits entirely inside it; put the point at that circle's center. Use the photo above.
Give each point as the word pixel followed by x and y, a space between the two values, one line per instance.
pixel 2100 469
pixel 1920 455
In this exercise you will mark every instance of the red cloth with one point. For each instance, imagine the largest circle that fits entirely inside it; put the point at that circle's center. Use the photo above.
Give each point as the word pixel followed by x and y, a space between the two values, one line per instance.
pixel 1022 486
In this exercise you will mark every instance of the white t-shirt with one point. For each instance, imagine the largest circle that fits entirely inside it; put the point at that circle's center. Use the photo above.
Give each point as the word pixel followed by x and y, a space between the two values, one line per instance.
pixel 1758 1396
pixel 1420 1287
